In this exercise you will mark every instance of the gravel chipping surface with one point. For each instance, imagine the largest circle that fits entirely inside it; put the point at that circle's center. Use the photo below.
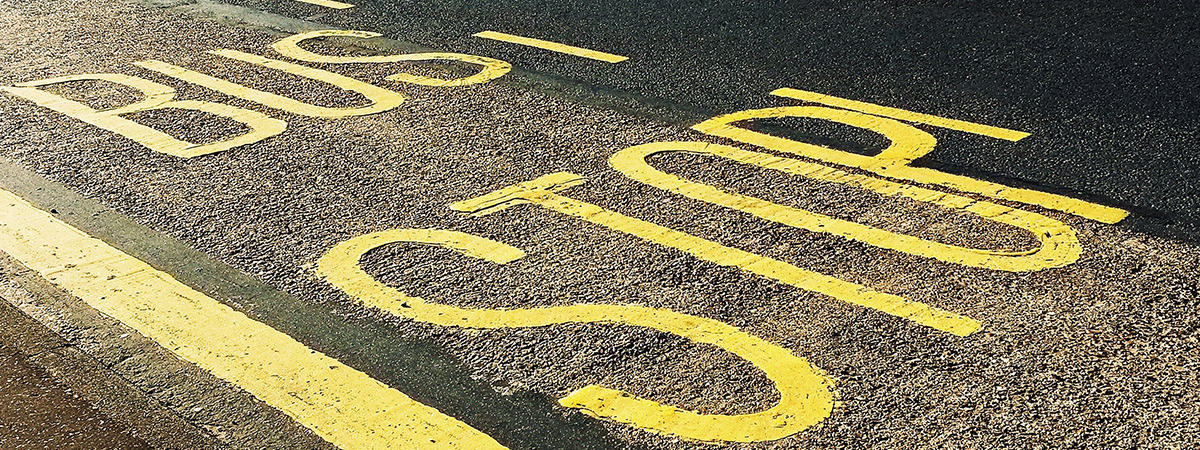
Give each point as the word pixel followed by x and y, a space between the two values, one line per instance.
pixel 1102 353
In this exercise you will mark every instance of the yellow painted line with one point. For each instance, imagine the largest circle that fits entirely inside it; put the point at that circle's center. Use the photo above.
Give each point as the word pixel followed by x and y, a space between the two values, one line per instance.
pixel 805 392
pixel 154 96
pixel 381 99
pixel 542 192
pixel 492 68
pixel 328 3
pixel 907 143
pixel 552 46
pixel 342 405
pixel 900 114
pixel 1058 244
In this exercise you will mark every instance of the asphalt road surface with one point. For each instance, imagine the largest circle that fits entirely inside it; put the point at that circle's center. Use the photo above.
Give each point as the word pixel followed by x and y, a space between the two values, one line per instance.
pixel 317 225
pixel 1106 88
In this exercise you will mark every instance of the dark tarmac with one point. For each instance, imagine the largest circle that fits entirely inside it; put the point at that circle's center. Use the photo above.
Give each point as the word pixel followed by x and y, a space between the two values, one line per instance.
pixel 1101 352
pixel 1107 88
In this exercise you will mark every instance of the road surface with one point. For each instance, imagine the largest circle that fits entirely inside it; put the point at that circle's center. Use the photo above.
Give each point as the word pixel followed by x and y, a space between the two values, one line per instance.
pixel 673 225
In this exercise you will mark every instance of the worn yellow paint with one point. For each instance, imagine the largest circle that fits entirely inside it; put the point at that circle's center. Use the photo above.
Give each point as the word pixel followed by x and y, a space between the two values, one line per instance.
pixel 155 96
pixel 492 68
pixel 541 191
pixel 328 4
pixel 904 115
pixel 1058 244
pixel 342 405
pixel 907 144
pixel 381 99
pixel 806 396
pixel 552 46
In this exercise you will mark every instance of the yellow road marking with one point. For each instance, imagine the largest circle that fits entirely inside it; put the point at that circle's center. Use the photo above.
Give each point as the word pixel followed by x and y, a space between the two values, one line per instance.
pixel 907 144
pixel 805 392
pixel 552 46
pixel 1058 244
pixel 900 114
pixel 328 3
pixel 492 68
pixel 381 99
pixel 541 192
pixel 155 96
pixel 342 405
